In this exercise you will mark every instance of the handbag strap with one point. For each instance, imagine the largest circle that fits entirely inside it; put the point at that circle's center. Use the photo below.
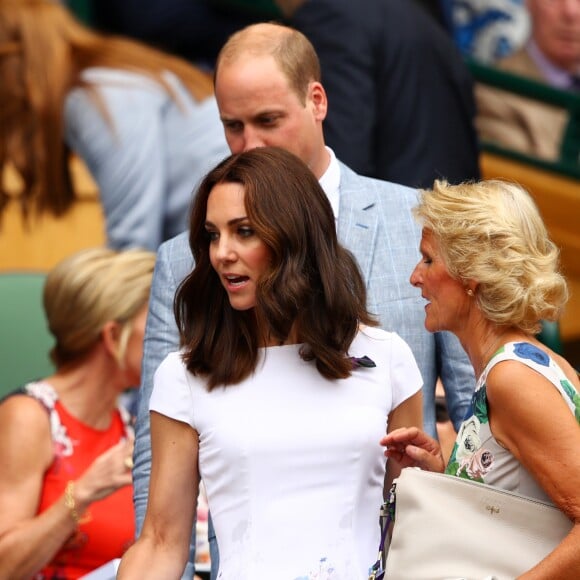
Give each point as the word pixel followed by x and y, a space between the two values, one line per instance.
pixel 387 516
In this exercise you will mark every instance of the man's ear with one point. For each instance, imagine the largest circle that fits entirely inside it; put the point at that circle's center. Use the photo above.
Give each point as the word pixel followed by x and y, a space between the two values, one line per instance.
pixel 317 96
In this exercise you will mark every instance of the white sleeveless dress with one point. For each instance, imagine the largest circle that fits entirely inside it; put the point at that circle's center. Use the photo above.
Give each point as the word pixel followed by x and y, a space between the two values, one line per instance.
pixel 476 454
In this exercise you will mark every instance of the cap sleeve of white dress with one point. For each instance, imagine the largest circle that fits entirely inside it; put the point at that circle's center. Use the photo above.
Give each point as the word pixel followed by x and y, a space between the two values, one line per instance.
pixel 406 377
pixel 172 394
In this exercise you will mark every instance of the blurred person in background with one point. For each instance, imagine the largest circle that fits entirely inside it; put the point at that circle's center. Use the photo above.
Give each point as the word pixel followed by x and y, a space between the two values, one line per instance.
pixel 144 122
pixel 66 503
pixel 551 56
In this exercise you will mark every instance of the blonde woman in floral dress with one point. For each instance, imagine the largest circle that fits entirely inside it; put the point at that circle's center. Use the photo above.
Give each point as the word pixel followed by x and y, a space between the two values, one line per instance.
pixel 489 274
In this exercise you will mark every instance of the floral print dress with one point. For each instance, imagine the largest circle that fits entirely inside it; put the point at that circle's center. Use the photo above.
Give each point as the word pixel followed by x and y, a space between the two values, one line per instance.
pixel 476 454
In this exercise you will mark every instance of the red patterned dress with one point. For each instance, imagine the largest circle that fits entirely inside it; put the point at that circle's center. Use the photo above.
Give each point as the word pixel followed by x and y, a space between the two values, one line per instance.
pixel 107 528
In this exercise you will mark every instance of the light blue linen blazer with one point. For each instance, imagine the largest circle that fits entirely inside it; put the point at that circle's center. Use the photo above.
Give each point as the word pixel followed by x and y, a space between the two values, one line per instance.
pixel 376 224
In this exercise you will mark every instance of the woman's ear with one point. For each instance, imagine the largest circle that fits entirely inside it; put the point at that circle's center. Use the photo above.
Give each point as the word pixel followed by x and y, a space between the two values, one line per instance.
pixel 471 287
pixel 110 335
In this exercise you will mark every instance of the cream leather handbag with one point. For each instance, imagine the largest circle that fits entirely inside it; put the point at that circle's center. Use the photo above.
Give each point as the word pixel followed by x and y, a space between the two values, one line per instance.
pixel 449 528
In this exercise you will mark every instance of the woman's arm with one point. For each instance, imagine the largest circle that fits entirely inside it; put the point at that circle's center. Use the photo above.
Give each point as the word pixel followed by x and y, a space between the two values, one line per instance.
pixel 529 417
pixel 28 541
pixel 163 546
pixel 408 414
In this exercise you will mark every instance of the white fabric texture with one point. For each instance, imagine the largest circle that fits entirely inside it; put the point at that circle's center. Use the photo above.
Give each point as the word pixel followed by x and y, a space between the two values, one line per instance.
pixel 291 461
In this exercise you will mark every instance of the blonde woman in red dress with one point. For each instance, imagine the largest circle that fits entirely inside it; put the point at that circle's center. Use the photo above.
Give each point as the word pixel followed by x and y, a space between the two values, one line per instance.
pixel 65 441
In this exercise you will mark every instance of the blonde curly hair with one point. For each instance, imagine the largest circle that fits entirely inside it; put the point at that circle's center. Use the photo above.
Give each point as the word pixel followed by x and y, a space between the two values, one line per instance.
pixel 492 232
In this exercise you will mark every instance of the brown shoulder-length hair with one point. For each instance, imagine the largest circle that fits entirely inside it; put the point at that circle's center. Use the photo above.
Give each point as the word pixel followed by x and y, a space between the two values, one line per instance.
pixel 43 52
pixel 313 282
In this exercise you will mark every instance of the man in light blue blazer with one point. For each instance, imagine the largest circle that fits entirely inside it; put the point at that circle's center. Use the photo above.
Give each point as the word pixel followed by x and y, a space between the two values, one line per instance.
pixel 269 94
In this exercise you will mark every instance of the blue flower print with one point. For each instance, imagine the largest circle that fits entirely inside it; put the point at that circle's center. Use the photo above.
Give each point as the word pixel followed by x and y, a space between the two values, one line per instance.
pixel 527 350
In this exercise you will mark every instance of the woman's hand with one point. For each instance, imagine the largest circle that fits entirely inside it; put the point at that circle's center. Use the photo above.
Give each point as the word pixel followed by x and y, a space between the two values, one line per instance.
pixel 108 472
pixel 411 447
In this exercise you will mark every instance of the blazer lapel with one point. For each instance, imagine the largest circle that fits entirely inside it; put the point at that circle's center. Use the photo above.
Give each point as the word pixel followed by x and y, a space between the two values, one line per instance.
pixel 358 218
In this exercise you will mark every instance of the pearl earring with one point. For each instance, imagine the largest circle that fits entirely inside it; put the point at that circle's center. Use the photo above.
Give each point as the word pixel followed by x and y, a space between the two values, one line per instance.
pixel 469 292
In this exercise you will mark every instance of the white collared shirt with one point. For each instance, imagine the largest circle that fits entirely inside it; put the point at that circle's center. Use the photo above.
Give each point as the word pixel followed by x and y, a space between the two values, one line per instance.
pixel 330 182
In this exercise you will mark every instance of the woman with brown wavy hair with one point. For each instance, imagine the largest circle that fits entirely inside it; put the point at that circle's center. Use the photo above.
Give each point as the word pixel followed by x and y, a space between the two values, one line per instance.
pixel 282 390
pixel 145 123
